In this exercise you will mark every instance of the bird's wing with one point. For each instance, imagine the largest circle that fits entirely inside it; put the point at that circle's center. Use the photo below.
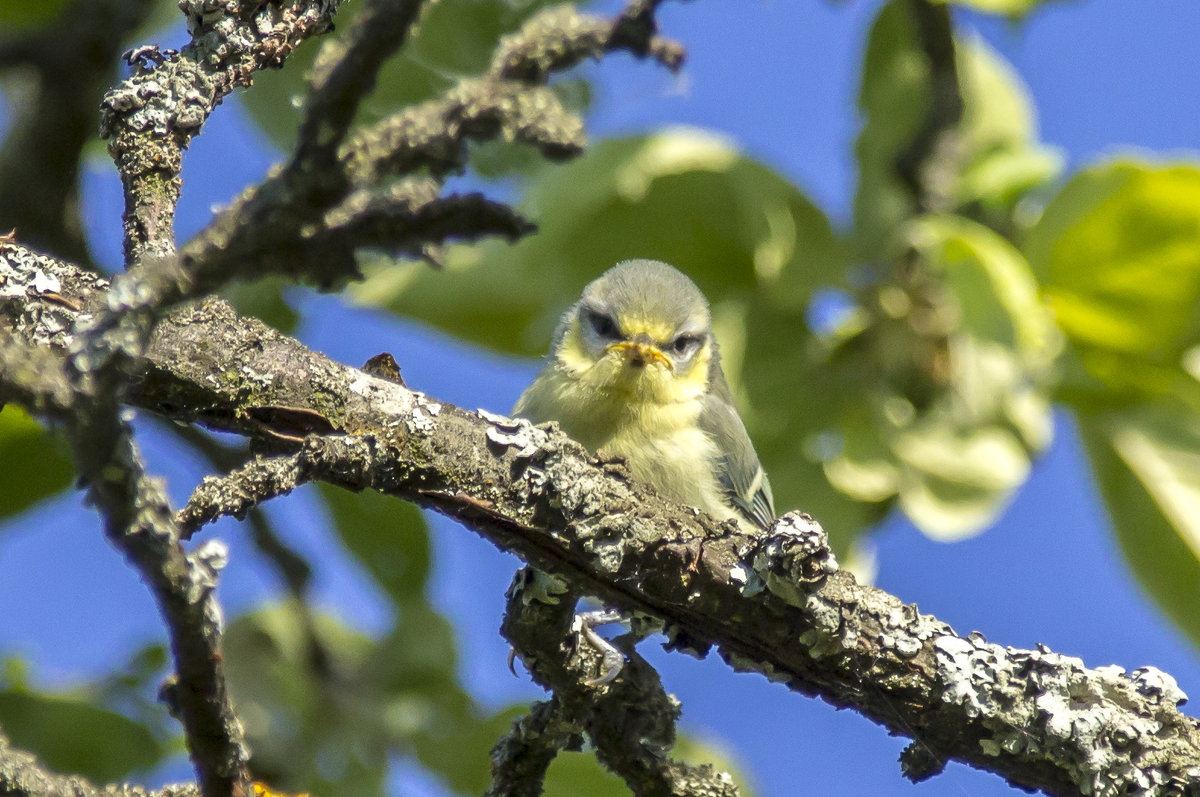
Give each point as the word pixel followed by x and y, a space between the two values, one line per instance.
pixel 737 467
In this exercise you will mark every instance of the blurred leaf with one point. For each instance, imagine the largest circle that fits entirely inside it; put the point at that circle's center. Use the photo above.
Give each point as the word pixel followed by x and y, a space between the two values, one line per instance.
pixel 580 775
pixel 700 751
pixel 682 196
pixel 958 481
pixel 22 440
pixel 998 179
pixel 463 760
pixel 1118 255
pixel 71 735
pixel 132 689
pixel 327 718
pixel 265 299
pixel 24 17
pixel 995 159
pixel 388 537
pixel 454 39
pixel 893 99
pixel 309 722
pixel 1147 463
pixel 992 283
pixel 801 417
pixel 461 755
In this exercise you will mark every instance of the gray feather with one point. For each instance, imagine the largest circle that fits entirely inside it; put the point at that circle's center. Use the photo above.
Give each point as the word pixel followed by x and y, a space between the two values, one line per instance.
pixel 737 470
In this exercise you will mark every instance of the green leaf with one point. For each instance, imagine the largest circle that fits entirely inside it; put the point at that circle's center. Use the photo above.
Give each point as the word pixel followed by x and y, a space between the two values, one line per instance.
pixel 388 537
pixel 1147 463
pixel 25 17
pixel 309 722
pixel 893 98
pixel 581 775
pixel 71 735
pixel 957 481
pixel 805 400
pixel 992 283
pixel 265 299
pixel 992 159
pixel 327 717
pixel 1117 253
pixel 454 39
pixel 49 469
pixel 683 196
pixel 460 754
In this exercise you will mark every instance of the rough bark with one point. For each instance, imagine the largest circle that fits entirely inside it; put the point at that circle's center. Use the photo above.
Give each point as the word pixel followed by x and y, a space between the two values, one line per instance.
pixel 775 604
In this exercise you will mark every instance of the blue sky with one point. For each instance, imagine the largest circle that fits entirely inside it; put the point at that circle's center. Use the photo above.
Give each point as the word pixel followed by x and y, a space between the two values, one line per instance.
pixel 780 78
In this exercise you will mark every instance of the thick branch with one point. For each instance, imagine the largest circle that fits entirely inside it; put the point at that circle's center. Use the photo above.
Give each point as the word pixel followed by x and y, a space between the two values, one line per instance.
pixel 522 756
pixel 152 117
pixel 344 73
pixel 630 721
pixel 83 392
pixel 775 605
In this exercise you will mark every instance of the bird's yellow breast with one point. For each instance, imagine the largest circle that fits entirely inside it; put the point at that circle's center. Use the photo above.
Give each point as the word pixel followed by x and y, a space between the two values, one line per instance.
pixel 648 416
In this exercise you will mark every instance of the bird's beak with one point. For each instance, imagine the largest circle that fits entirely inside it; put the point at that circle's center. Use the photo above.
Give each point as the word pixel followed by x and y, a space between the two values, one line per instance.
pixel 639 354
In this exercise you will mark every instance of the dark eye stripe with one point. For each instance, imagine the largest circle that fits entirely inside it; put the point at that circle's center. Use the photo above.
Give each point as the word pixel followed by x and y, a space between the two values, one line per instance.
pixel 603 324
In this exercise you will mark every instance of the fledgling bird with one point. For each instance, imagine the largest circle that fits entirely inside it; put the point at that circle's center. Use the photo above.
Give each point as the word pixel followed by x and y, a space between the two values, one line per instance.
pixel 635 371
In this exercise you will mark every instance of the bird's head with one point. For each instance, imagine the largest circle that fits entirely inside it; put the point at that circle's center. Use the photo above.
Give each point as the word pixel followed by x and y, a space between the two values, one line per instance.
pixel 642 330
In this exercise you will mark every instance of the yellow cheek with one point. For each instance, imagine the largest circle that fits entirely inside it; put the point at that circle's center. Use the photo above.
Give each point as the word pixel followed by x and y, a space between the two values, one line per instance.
pixel 571 354
pixel 695 380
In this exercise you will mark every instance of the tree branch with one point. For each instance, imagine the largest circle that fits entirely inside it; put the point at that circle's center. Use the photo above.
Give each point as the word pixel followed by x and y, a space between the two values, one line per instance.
pixel 630 721
pixel 924 166
pixel 151 118
pixel 83 391
pixel 522 756
pixel 774 604
pixel 22 776
pixel 343 74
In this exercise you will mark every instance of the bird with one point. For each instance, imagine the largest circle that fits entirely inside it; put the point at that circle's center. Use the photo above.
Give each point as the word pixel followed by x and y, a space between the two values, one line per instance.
pixel 635 371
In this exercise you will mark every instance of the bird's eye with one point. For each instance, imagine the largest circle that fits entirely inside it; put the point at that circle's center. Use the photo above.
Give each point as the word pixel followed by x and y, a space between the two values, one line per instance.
pixel 684 345
pixel 603 324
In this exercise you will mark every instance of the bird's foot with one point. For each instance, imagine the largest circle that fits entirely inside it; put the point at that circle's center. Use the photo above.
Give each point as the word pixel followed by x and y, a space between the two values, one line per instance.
pixel 611 659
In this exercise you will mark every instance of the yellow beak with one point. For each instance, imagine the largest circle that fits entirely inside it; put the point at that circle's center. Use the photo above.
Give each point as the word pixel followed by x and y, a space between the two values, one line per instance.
pixel 639 354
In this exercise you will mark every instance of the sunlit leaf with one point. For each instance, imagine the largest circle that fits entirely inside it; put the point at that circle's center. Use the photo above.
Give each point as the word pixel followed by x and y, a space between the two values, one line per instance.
pixel 956 484
pixel 22 440
pixel 1147 463
pixel 992 283
pixel 388 537
pixel 893 98
pixel 71 735
pixel 1118 255
pixel 459 754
